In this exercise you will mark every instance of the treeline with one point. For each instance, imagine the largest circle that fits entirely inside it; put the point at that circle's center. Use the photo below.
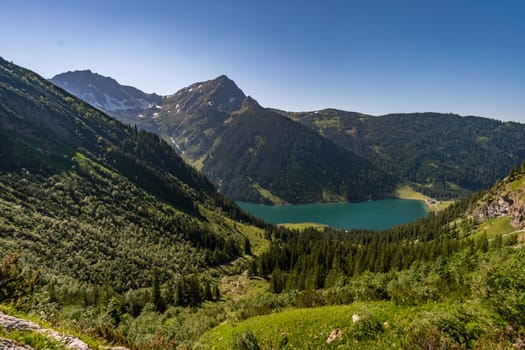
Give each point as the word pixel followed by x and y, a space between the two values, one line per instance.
pixel 308 263
pixel 183 290
pixel 311 260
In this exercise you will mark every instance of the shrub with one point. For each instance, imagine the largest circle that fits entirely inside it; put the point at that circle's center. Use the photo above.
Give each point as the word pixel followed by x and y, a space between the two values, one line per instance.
pixel 245 341
pixel 455 329
pixel 505 288
pixel 367 327
pixel 262 304
pixel 14 282
pixel 368 286
pixel 411 288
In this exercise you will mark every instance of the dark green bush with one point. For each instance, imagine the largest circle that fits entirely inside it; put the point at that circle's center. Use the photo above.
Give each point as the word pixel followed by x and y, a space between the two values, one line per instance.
pixel 245 341
pixel 367 327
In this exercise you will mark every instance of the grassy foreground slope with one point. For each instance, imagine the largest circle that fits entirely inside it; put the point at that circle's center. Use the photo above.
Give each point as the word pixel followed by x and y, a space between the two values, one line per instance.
pixel 371 325
pixel 455 280
pixel 415 309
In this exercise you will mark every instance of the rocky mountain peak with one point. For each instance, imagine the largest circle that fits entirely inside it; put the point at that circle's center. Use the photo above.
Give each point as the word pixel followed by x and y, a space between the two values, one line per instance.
pixel 225 94
pixel 86 76
pixel 106 93
pixel 220 95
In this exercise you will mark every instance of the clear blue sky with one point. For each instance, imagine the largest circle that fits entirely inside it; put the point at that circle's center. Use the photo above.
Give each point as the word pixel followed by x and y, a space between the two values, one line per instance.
pixel 375 57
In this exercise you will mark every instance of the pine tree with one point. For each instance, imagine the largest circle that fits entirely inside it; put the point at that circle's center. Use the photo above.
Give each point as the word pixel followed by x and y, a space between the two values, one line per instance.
pixel 216 292
pixel 14 282
pixel 278 280
pixel 247 247
pixel 206 291
pixel 195 294
pixel 156 297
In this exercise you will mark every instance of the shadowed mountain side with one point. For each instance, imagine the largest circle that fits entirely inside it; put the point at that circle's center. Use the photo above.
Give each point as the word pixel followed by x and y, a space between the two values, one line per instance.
pixel 443 155
pixel 261 148
pixel 85 197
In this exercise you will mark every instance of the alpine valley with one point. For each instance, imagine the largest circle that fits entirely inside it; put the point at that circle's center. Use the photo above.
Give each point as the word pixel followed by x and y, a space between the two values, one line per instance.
pixel 257 154
pixel 251 153
pixel 110 240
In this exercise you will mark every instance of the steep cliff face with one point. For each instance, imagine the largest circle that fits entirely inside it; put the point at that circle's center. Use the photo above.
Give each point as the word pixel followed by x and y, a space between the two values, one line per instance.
pixel 509 205
pixel 506 199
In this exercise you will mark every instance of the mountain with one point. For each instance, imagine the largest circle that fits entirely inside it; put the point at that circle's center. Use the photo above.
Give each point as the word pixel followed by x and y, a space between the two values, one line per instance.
pixel 194 117
pixel 256 155
pixel 443 155
pixel 85 197
pixel 127 104
pixel 263 150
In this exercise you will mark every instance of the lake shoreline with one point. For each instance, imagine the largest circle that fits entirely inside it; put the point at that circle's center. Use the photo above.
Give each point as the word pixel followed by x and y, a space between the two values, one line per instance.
pixel 402 192
pixel 432 204
pixel 369 215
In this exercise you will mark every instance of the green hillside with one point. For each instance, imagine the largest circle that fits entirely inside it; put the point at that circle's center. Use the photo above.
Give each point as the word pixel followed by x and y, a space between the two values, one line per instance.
pixel 411 309
pixel 263 149
pixel 442 155
pixel 111 220
pixel 255 155
pixel 102 225
pixel 85 197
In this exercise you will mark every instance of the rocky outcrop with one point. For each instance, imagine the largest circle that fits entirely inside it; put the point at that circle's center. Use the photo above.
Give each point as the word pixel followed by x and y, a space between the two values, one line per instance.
pixel 6 344
pixel 509 204
pixel 15 323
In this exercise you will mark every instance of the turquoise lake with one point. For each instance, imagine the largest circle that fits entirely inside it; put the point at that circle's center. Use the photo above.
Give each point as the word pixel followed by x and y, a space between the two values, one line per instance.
pixel 373 215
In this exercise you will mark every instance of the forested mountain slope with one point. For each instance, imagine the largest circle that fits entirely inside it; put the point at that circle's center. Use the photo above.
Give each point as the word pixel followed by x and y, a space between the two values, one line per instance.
pixel 253 154
pixel 263 149
pixel 83 196
pixel 443 155
pixel 256 155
